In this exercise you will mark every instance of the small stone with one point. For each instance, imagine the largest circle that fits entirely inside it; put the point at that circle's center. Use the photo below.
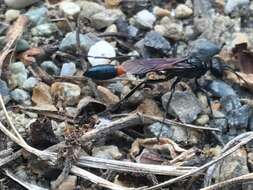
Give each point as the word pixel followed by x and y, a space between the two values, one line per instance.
pixel 202 120
pixel 30 83
pixel 145 19
pixel 204 49
pixel 112 3
pixel 105 18
pixel 17 67
pixel 11 15
pixel 46 30
pixel 107 152
pixel 20 96
pixel 219 88
pixel 232 5
pixel 232 166
pixel 170 29
pixel 182 11
pixel 37 16
pixel 41 95
pixel 68 92
pixel 157 42
pixel 108 96
pixel 68 69
pixel 68 184
pixel 90 8
pixel 183 105
pixel 50 68
pixel 68 44
pixel 154 130
pixel 70 8
pixel 20 4
pixel 101 49
pixel 161 12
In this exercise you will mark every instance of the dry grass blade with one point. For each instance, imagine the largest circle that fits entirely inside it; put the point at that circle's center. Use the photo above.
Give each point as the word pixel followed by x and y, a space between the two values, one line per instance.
pixel 244 141
pixel 13 35
pixel 228 183
pixel 124 166
pixel 25 184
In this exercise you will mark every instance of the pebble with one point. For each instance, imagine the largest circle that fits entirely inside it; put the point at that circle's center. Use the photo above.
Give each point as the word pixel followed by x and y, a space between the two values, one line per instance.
pixel 41 95
pixel 50 68
pixel 68 92
pixel 107 152
pixel 160 12
pixel 204 49
pixel 182 11
pixel 68 69
pixel 47 29
pixel 105 18
pixel 90 8
pixel 232 166
pixel 108 97
pixel 170 29
pixel 30 83
pixel 101 49
pixel 70 8
pixel 154 130
pixel 183 105
pixel 232 5
pixel 37 16
pixel 145 19
pixel 20 96
pixel 157 42
pixel 20 4
pixel 68 44
pixel 11 15
pixel 202 120
pixel 219 88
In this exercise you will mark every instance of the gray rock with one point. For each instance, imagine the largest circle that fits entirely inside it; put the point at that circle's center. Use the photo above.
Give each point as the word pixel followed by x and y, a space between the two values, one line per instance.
pixel 153 130
pixel 157 42
pixel 107 152
pixel 20 4
pixel 219 88
pixel 204 49
pixel 145 19
pixel 30 83
pixel 20 96
pixel 105 18
pixel 232 5
pixel 69 42
pixel 46 30
pixel 90 8
pixel 232 166
pixel 50 68
pixel 183 105
pixel 230 102
pixel 37 16
pixel 68 69
pixel 239 118
pixel 70 8
pixel 168 28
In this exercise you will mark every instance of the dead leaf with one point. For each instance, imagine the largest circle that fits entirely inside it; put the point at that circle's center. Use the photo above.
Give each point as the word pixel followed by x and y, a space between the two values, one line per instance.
pixel 164 144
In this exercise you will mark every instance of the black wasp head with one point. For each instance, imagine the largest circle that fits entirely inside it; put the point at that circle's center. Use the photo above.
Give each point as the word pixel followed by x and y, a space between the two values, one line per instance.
pixel 217 67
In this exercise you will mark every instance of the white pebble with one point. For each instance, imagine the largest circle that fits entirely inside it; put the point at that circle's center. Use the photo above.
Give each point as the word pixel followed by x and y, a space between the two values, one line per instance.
pixel 70 8
pixel 101 49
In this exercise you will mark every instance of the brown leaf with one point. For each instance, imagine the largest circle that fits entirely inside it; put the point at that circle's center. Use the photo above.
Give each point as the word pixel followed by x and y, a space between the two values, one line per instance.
pixel 244 57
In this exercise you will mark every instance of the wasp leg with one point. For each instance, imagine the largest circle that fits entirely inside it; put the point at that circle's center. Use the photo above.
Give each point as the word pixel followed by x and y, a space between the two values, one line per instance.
pixel 172 89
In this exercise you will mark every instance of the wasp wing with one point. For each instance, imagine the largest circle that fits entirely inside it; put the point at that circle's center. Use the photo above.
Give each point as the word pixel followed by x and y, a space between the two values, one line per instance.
pixel 143 66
